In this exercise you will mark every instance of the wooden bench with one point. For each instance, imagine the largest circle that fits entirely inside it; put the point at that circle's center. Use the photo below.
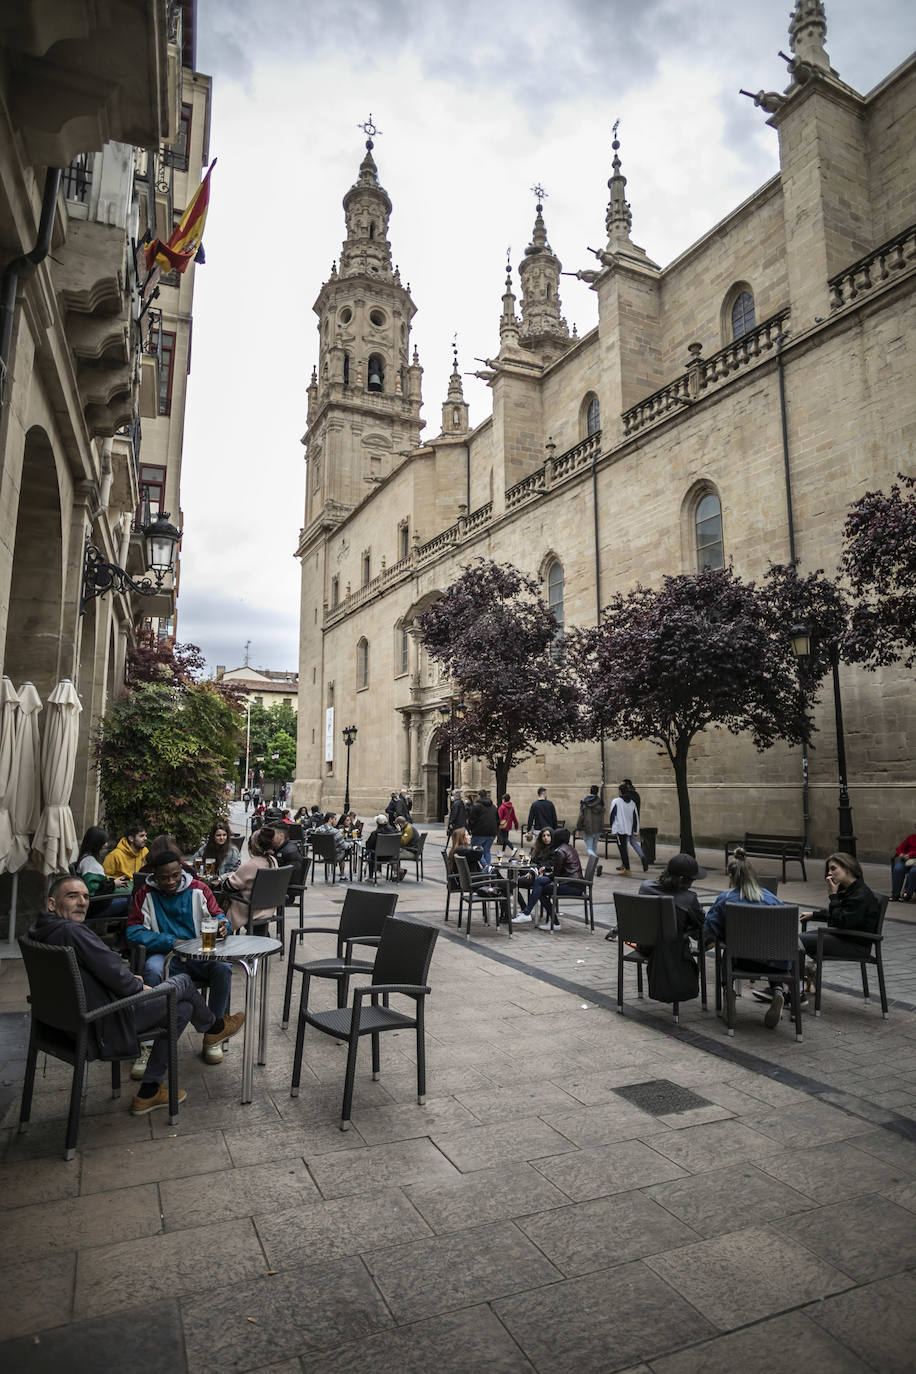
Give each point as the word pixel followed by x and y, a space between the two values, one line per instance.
pixel 786 848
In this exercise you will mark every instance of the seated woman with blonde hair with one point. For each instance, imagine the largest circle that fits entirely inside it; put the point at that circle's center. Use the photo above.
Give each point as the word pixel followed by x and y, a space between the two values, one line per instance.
pixel 260 856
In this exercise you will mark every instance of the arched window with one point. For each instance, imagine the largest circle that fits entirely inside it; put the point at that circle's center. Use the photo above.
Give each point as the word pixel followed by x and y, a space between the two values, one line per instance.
pixel 362 664
pixel 742 314
pixel 555 593
pixel 708 526
pixel 592 416
pixel 376 380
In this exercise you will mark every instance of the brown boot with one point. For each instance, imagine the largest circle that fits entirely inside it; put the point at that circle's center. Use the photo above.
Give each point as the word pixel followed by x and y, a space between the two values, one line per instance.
pixel 232 1024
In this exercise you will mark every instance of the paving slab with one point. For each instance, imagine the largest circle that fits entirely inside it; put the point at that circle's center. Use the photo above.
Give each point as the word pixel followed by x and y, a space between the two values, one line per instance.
pixel 449 1344
pixel 876 1322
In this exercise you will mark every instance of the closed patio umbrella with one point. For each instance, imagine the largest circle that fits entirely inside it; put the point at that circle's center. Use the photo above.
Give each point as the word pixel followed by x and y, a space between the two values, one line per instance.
pixel 55 836
pixel 9 707
pixel 25 810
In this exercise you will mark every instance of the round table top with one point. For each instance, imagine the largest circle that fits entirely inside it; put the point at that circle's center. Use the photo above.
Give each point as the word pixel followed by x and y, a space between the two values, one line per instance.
pixel 233 947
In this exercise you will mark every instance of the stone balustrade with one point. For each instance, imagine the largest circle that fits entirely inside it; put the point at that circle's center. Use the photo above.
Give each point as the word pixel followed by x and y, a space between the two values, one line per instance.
pixel 872 271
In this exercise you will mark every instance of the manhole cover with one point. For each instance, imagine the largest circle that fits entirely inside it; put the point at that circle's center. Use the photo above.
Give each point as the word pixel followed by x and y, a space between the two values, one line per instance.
pixel 659 1097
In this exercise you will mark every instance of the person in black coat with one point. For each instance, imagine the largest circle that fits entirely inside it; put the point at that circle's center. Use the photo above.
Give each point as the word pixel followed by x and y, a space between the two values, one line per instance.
pixel 542 813
pixel 851 906
pixel 483 823
pixel 106 978
pixel 457 814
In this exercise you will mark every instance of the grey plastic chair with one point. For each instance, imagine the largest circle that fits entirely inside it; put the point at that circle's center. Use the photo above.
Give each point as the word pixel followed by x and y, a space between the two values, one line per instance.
pixel 61 1022
pixel 401 966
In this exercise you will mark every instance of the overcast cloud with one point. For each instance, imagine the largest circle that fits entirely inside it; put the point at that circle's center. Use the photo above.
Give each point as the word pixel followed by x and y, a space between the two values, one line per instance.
pixel 476 103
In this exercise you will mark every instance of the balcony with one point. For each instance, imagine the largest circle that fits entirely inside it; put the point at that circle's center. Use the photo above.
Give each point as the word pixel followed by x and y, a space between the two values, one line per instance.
pixel 866 276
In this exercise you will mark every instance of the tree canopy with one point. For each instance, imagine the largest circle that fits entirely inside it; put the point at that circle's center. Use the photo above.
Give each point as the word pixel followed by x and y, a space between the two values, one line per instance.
pixel 163 755
pixel 879 560
pixel 702 650
pixel 272 731
pixel 496 638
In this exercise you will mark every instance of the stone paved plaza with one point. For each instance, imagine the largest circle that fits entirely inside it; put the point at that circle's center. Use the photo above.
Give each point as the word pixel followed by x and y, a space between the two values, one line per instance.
pixel 541 1212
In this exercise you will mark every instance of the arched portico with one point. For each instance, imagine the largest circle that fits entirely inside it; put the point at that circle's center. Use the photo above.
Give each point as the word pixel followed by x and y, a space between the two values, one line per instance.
pixel 32 650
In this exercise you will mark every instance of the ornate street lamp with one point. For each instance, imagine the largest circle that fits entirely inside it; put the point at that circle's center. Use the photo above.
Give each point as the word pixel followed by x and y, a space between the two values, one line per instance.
pixel 801 647
pixel 100 577
pixel 349 735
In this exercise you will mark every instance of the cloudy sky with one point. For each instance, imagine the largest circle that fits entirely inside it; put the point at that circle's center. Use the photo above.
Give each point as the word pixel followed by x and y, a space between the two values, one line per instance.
pixel 476 104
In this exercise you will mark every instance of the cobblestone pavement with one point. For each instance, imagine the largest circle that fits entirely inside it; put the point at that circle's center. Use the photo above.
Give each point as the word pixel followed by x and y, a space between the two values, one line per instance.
pixel 581 1192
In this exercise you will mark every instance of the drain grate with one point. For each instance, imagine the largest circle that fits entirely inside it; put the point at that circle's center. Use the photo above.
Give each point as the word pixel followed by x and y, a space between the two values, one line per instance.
pixel 659 1097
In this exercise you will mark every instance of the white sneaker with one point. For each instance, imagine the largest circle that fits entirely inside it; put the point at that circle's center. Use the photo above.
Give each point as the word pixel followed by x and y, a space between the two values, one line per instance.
pixel 522 919
pixel 213 1054
pixel 138 1068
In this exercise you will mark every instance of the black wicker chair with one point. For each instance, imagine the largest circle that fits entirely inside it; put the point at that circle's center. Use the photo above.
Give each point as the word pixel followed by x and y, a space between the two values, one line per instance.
pixel 451 882
pixel 401 966
pixel 483 888
pixel 413 854
pixel 870 942
pixel 61 1022
pixel 387 852
pixel 361 919
pixel 642 921
pixel 760 942
pixel 324 851
pixel 583 892
pixel 269 889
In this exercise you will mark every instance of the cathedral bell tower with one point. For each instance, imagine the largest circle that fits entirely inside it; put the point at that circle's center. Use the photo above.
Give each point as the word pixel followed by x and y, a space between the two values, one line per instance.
pixel 364 397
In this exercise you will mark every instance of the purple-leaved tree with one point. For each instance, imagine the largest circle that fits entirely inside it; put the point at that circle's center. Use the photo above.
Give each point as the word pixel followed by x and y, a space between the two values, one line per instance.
pixel 879 559
pixel 496 638
pixel 702 650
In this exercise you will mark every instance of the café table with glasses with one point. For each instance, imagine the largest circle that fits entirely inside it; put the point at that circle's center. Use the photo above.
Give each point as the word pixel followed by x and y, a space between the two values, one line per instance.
pixel 251 953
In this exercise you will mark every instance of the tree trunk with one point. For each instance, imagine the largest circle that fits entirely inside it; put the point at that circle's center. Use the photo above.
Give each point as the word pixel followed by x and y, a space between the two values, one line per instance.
pixel 501 769
pixel 679 763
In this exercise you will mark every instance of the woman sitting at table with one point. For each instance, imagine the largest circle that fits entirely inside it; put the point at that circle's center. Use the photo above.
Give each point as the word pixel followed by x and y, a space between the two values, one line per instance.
pixel 219 851
pixel 564 864
pixel 851 906
pixel 745 890
pixel 260 855
pixel 461 845
pixel 342 847
pixel 89 867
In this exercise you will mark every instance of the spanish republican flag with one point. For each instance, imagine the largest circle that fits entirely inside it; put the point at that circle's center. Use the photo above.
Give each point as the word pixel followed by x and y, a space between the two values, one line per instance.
pixel 186 237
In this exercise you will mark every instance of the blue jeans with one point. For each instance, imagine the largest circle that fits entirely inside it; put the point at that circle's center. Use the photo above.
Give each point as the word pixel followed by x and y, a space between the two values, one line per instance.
pixel 591 843
pixel 542 890
pixel 622 841
pixel 904 879
pixel 217 976
pixel 484 842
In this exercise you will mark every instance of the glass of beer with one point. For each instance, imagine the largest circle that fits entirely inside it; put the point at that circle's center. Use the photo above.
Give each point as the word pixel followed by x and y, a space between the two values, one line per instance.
pixel 208 927
pixel 210 867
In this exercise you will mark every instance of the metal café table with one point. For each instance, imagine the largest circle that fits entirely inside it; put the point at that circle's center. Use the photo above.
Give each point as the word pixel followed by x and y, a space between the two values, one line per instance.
pixel 251 952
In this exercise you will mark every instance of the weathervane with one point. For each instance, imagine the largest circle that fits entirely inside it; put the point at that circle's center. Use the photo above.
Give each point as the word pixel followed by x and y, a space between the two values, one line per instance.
pixel 539 194
pixel 369 130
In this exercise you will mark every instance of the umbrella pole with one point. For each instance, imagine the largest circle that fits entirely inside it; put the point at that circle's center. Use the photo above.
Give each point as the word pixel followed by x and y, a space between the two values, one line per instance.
pixel 11 950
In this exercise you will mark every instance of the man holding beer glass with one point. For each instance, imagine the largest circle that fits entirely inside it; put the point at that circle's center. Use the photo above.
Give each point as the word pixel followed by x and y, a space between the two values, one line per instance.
pixel 172 906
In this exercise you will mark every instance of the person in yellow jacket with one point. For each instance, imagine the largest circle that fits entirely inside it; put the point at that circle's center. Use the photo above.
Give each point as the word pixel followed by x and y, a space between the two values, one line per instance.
pixel 128 854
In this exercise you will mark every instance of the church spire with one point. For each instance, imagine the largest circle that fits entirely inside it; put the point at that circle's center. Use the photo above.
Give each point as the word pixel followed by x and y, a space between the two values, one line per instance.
pixel 543 327
pixel 366 250
pixel 619 219
pixel 508 323
pixel 807 32
pixel 455 408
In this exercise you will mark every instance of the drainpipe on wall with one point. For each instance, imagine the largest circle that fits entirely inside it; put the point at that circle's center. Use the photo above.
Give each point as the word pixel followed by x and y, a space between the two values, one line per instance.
pixel 23 266
pixel 598 592
pixel 787 472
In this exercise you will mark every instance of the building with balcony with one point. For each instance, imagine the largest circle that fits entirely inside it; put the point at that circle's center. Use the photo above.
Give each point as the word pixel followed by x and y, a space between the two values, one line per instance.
pixel 651 445
pixel 104 125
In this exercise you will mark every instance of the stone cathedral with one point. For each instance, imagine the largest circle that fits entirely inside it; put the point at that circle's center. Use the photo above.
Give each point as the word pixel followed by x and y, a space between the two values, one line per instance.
pixel 732 404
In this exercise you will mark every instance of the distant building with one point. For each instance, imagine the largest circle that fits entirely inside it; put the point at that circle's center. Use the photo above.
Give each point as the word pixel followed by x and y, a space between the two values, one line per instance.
pixel 652 445
pixel 262 684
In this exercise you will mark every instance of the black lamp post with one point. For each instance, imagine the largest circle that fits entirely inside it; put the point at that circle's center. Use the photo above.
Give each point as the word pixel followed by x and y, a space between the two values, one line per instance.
pixel 349 735
pixel 99 577
pixel 801 648
pixel 451 712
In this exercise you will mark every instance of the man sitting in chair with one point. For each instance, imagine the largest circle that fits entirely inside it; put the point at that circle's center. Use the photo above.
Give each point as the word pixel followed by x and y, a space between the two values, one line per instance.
pixel 106 978
pixel 168 908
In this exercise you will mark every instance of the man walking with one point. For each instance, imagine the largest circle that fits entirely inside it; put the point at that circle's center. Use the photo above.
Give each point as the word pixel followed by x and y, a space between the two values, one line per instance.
pixel 457 813
pixel 591 819
pixel 542 813
pixel 624 824
pixel 483 823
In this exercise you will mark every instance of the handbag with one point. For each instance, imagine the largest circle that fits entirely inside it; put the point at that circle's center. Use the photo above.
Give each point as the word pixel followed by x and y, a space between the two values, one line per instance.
pixel 673 972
